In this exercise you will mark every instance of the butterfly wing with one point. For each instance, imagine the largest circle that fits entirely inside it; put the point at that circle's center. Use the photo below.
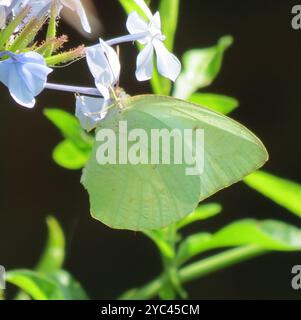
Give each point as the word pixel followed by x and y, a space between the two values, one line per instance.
pixel 148 196
pixel 231 150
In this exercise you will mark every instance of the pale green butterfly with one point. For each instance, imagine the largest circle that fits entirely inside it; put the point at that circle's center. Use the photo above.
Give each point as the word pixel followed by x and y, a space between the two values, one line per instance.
pixel 148 196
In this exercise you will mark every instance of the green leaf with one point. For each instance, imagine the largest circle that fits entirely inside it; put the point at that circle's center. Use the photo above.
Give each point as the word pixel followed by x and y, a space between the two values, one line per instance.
pixel 268 234
pixel 169 11
pixel 38 286
pixel 69 127
pixel 69 288
pixel 130 6
pixel 54 253
pixel 54 286
pixel 201 66
pixel 216 102
pixel 74 151
pixel 203 212
pixel 67 155
pixel 284 192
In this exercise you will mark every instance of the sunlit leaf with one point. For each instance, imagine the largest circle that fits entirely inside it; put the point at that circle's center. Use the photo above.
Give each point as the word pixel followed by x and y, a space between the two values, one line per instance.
pixel 284 192
pixel 58 285
pixel 203 212
pixel 268 234
pixel 216 102
pixel 38 286
pixel 169 11
pixel 69 156
pixel 200 68
pixel 54 253
pixel 69 127
pixel 73 152
pixel 130 6
pixel 70 288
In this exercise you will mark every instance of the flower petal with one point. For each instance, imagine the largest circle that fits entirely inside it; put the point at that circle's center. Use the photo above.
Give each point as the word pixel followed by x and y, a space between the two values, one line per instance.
pixel 25 76
pixel 83 17
pixel 35 76
pixel 90 111
pixel 10 77
pixel 2 17
pixel 113 60
pixel 77 6
pixel 144 69
pixel 104 65
pixel 135 24
pixel 6 3
pixel 156 20
pixel 168 64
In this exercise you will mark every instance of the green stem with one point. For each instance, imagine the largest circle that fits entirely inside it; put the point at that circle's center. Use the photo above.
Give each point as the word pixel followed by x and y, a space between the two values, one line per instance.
pixel 219 261
pixel 146 292
pixel 198 269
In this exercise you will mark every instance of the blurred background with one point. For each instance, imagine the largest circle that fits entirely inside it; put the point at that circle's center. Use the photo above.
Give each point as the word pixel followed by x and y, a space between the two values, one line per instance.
pixel 262 70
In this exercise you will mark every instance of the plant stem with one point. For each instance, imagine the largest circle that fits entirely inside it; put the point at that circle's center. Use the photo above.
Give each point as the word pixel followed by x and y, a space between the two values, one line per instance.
pixel 127 38
pixel 219 261
pixel 148 291
pixel 198 269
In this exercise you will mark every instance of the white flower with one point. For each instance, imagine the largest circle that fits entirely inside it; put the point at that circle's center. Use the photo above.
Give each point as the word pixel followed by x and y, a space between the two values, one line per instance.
pixel 3 7
pixel 90 111
pixel 104 65
pixel 168 64
pixel 74 5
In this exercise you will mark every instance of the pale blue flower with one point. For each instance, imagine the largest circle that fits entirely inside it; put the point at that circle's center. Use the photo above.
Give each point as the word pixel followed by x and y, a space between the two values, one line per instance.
pixel 152 38
pixel 25 75
pixel 90 111
pixel 74 5
pixel 104 65
pixel 4 4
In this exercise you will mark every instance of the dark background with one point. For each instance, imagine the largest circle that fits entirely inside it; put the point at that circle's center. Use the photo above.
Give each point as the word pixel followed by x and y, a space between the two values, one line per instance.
pixel 261 70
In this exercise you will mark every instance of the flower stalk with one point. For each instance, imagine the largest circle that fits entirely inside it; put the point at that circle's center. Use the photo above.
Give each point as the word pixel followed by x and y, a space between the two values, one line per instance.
pixel 73 89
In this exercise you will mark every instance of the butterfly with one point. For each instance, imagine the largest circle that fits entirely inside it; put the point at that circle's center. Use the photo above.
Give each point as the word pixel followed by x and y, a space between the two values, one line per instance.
pixel 145 196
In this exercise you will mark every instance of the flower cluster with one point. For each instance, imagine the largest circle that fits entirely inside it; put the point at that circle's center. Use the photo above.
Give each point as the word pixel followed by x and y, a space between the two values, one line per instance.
pixel 24 66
